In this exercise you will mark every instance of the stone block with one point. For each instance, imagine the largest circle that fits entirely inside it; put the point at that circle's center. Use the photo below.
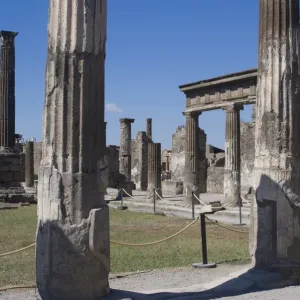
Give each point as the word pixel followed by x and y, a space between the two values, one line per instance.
pixel 172 187
pixel 16 168
pixel 19 176
pixel 6 177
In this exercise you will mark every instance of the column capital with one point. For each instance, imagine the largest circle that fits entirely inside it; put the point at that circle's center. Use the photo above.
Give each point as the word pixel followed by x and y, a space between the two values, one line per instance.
pixel 233 107
pixel 127 120
pixel 192 113
pixel 7 37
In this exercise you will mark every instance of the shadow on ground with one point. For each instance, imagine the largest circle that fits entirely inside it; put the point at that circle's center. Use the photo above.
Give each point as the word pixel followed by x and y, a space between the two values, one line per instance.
pixel 236 284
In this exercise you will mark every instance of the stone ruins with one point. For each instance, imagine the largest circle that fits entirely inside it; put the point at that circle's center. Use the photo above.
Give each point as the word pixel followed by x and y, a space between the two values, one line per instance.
pixel 74 166
pixel 73 217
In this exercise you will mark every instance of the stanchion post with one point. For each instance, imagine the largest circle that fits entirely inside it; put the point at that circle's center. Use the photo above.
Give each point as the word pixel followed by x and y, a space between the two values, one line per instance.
pixel 121 195
pixel 154 200
pixel 193 206
pixel 203 238
pixel 205 263
pixel 240 209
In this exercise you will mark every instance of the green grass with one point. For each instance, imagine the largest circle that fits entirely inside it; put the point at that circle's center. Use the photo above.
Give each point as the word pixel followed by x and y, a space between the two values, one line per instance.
pixel 18 230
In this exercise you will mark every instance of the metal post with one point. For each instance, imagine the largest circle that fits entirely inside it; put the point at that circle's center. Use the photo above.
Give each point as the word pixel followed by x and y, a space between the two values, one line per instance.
pixel 205 263
pixel 193 206
pixel 240 209
pixel 203 237
pixel 154 200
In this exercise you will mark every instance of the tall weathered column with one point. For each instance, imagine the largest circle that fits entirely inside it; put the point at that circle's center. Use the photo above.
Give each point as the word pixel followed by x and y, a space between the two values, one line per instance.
pixel 142 143
pixel 29 164
pixel 125 154
pixel 149 129
pixel 105 162
pixel 7 89
pixel 73 218
pixel 154 169
pixel 275 228
pixel 191 170
pixel 232 170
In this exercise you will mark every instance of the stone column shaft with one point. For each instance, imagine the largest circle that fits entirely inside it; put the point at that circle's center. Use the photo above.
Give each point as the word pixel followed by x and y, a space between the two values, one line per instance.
pixel 7 89
pixel 191 172
pixel 149 129
pixel 142 141
pixel 275 228
pixel 73 217
pixel 29 164
pixel 154 169
pixel 232 170
pixel 125 153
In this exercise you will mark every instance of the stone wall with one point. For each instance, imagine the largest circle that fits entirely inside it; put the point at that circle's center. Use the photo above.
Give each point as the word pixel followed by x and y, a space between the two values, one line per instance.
pixel 37 155
pixel 113 166
pixel 247 153
pixel 139 160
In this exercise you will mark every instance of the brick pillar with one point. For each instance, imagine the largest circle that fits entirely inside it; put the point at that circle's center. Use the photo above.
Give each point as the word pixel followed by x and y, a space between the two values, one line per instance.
pixel 7 89
pixel 149 129
pixel 191 170
pixel 275 228
pixel 154 169
pixel 125 154
pixel 29 164
pixel 232 170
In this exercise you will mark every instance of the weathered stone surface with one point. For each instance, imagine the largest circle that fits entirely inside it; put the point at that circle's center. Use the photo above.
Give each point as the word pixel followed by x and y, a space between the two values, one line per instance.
pixel 172 187
pixel 7 89
pixel 215 179
pixel 191 170
pixel 37 157
pixel 154 170
pixel 149 129
pixel 232 171
pixel 29 164
pixel 125 155
pixel 72 252
pixel 275 226
pixel 113 166
pixel 139 171
pixel 177 161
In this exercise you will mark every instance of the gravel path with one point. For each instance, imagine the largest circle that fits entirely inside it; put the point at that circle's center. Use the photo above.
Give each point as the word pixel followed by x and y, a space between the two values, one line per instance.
pixel 172 278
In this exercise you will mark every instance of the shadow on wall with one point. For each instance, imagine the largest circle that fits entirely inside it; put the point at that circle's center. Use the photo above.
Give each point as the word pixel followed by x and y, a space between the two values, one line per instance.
pixel 276 215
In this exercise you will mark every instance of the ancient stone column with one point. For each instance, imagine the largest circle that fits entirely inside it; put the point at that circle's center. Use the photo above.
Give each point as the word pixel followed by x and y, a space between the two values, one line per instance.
pixel 142 143
pixel 105 162
pixel 191 170
pixel 72 252
pixel 29 164
pixel 149 129
pixel 232 170
pixel 7 89
pixel 154 170
pixel 125 154
pixel 275 227
pixel 202 162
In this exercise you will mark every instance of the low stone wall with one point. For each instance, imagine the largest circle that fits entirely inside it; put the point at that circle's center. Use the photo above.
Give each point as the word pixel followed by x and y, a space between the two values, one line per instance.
pixel 12 169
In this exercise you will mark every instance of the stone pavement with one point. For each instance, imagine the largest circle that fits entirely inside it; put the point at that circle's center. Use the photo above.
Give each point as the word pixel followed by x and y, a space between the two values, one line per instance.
pixel 174 206
pixel 243 283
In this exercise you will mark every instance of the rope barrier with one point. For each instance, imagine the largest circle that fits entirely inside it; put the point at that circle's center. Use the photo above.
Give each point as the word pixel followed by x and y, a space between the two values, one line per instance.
pixel 198 199
pixel 127 194
pixel 224 227
pixel 162 199
pixel 159 241
pixel 16 251
pixel 17 287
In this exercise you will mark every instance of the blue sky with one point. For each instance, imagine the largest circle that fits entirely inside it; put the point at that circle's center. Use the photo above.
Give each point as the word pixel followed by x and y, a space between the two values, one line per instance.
pixel 153 47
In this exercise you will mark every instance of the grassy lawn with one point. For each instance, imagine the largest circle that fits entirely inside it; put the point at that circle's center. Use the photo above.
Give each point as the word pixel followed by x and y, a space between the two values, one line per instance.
pixel 18 230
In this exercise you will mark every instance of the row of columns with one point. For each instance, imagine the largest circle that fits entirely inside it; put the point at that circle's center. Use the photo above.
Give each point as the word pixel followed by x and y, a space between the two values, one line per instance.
pixel 232 177
pixel 125 159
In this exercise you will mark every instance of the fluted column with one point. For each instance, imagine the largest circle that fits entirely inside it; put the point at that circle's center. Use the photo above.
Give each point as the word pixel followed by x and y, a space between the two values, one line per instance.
pixel 7 89
pixel 73 217
pixel 125 154
pixel 275 228
pixel 191 171
pixel 232 170
pixel 29 164
pixel 154 169
pixel 149 129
